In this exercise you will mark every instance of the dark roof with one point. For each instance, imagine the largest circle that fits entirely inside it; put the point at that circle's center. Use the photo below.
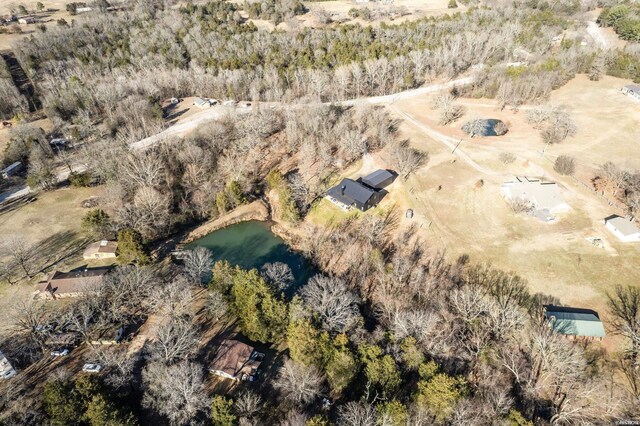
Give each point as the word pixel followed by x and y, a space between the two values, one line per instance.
pixel 350 191
pixel 377 178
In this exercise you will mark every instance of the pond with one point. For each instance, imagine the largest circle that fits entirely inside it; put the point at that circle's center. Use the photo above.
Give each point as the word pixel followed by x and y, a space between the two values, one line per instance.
pixel 486 127
pixel 252 244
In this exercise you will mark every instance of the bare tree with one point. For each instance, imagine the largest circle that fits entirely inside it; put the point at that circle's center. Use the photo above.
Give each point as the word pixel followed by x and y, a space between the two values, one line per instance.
pixel 405 159
pixel 216 305
pixel 176 392
pixel 197 264
pixel 330 299
pixel 278 275
pixel 475 127
pixel 172 299
pixel 22 254
pixel 449 110
pixel 357 414
pixel 248 405
pixel 121 365
pixel 174 340
pixel 299 383
pixel 565 165
pixel 624 304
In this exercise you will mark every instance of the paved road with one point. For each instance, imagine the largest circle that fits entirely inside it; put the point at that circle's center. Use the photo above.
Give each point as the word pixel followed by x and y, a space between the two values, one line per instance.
pixel 219 111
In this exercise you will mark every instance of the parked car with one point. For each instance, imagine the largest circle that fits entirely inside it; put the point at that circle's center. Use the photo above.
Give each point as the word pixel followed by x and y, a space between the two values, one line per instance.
pixel 60 352
pixel 91 368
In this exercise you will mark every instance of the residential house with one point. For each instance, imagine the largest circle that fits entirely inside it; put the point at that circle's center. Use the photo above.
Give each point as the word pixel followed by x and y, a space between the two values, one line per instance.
pixel 11 170
pixel 6 369
pixel 632 90
pixel 379 179
pixel 622 228
pixel 236 361
pixel 350 193
pixel 101 250
pixel 575 323
pixel 544 197
pixel 71 284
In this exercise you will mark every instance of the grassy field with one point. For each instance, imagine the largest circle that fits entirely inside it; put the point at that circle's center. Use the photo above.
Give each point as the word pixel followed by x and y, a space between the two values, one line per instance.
pixel 52 224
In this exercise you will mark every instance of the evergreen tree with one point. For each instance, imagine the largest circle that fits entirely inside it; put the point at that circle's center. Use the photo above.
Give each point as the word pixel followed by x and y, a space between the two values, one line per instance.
pixel 131 248
pixel 221 412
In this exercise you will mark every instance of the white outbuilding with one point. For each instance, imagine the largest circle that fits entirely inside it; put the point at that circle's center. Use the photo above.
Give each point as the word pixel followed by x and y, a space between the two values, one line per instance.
pixel 622 228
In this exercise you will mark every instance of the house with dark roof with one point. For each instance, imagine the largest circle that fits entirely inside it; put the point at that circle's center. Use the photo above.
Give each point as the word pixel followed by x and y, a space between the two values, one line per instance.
pixel 574 322
pixel 363 193
pixel 632 90
pixel 236 361
pixel 622 228
pixel 71 284
pixel 379 179
pixel 350 193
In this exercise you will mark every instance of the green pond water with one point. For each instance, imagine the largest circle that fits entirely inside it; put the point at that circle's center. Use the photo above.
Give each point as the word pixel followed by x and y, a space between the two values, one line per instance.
pixel 252 244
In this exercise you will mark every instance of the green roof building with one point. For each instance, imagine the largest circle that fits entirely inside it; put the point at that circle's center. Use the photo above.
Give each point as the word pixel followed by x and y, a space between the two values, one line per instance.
pixel 575 322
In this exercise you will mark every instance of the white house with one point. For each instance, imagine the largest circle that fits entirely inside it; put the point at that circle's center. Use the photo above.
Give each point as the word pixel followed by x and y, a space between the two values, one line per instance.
pixel 622 228
pixel 632 90
pixel 541 195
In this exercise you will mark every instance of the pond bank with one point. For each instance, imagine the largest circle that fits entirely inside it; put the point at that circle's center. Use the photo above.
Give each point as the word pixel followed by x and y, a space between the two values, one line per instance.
pixel 257 210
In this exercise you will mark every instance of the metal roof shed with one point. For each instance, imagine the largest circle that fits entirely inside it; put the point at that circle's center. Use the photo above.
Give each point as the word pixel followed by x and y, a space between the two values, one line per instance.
pixel 378 179
pixel 576 322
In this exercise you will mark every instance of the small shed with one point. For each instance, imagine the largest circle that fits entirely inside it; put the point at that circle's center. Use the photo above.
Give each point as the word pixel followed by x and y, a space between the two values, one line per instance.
pixel 574 322
pixel 101 250
pixel 379 179
pixel 622 228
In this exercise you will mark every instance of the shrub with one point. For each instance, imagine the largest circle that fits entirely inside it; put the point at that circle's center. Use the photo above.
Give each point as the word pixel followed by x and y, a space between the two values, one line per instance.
pixel 82 179
pixel 452 4
pixel 565 165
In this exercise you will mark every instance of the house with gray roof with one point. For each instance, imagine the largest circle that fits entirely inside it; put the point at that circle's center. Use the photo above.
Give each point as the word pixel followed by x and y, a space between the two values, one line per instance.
pixel 574 322
pixel 622 228
pixel 632 90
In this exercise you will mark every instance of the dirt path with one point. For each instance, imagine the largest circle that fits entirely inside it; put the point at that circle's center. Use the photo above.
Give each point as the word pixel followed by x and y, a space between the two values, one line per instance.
pixel 449 142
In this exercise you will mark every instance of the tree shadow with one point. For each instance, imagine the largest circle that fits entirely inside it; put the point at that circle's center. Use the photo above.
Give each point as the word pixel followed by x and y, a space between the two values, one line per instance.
pixel 57 248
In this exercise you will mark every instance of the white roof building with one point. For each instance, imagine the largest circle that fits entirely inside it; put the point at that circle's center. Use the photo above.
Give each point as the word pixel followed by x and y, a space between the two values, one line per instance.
pixel 542 195
pixel 6 369
pixel 622 228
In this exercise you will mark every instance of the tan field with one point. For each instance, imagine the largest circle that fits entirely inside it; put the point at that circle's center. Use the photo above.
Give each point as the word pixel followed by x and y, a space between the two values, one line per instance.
pixel 52 223
pixel 468 215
